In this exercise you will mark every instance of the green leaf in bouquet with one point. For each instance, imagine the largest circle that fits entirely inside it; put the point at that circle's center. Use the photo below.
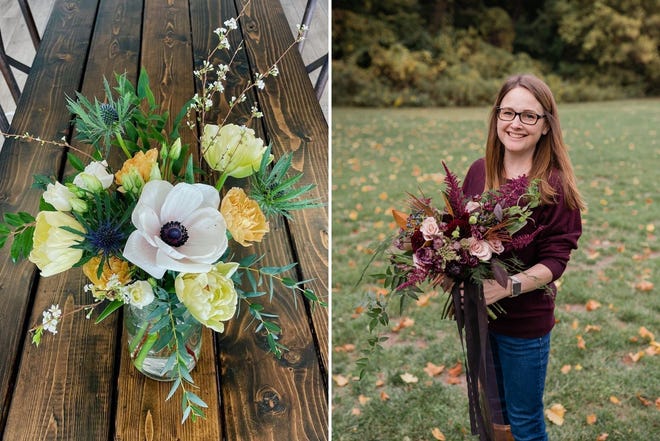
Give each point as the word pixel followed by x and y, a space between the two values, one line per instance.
pixel 22 244
pixel 274 270
pixel 41 181
pixel 109 309
pixel 75 162
pixel 274 192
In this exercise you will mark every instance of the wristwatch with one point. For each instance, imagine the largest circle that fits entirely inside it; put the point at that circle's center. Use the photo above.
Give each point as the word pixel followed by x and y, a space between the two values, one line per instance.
pixel 515 286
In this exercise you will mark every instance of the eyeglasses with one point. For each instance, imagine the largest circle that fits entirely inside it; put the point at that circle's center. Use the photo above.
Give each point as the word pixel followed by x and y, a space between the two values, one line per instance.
pixel 528 117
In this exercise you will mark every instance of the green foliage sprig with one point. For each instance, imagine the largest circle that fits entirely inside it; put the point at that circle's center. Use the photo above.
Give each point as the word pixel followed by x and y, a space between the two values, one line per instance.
pixel 275 192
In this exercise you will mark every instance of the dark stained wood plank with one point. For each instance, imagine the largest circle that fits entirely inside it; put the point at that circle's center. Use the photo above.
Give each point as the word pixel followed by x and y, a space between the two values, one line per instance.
pixel 64 45
pixel 73 397
pixel 295 123
pixel 265 398
pixel 142 412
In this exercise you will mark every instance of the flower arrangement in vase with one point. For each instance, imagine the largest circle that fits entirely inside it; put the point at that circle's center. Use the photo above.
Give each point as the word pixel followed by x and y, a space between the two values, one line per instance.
pixel 151 236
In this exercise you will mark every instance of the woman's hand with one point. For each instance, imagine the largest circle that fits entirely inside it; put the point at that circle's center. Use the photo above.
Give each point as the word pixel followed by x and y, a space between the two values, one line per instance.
pixel 493 291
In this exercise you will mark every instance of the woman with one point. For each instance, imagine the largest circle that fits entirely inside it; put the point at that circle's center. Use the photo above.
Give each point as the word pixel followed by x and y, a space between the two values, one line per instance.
pixel 525 139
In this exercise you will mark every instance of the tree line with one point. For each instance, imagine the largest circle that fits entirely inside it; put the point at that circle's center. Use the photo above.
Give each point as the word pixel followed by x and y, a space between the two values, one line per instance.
pixel 458 52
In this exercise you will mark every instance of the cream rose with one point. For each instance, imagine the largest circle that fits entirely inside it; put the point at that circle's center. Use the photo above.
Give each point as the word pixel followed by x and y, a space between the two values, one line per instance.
pixel 232 150
pixel 52 249
pixel 140 294
pixel 210 297
pixel 429 228
pixel 480 249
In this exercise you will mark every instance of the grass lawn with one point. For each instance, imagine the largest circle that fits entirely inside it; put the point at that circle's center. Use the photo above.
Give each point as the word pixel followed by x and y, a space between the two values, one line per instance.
pixel 602 369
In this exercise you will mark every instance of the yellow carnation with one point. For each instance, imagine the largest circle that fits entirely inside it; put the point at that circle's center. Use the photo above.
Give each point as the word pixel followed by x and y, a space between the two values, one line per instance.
pixel 138 170
pixel 113 265
pixel 245 220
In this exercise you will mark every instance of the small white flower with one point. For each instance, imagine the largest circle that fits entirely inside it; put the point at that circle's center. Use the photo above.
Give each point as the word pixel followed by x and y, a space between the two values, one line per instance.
pixel 59 196
pixel 255 112
pixel 274 71
pixel 51 318
pixel 231 23
pixel 94 175
pixel 260 84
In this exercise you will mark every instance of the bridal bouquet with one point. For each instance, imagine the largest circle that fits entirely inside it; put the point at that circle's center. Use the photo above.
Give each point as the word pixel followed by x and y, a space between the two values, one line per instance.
pixel 460 242
pixel 151 235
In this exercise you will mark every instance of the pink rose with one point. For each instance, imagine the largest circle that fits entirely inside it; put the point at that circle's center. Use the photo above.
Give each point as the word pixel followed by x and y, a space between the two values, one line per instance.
pixel 480 249
pixel 429 228
pixel 471 206
pixel 496 246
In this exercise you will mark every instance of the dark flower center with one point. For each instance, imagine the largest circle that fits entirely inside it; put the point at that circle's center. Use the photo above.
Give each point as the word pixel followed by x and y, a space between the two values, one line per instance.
pixel 174 234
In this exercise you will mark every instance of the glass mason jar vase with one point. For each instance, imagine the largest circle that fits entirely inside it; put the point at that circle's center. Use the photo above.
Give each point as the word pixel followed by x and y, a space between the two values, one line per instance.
pixel 152 344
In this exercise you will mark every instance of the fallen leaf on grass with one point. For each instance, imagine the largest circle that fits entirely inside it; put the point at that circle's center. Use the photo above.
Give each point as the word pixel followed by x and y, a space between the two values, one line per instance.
pixel 565 369
pixel 437 434
pixel 384 396
pixel 633 358
pixel 592 328
pixel 556 414
pixel 645 401
pixel 432 369
pixel 456 370
pixel 409 378
pixel 356 411
pixel 645 333
pixel 592 305
pixel 653 349
pixel 602 437
pixel 405 322
pixel 424 299
pixel 615 400
pixel 340 380
pixel 644 285
pixel 348 347
pixel 591 419
pixel 363 399
pixel 580 343
pixel 657 403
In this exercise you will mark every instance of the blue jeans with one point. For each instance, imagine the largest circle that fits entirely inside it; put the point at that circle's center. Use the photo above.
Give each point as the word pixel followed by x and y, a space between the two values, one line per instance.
pixel 520 367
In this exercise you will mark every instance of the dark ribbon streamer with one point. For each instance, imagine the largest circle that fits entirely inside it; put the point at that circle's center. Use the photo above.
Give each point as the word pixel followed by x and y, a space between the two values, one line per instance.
pixel 472 318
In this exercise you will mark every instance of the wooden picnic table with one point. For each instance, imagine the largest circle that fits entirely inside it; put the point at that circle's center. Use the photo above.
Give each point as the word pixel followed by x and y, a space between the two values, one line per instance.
pixel 80 384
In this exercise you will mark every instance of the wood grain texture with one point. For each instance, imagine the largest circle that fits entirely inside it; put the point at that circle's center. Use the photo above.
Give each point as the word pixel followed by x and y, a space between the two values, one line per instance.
pixel 61 70
pixel 76 394
pixel 295 123
pixel 141 408
pixel 265 398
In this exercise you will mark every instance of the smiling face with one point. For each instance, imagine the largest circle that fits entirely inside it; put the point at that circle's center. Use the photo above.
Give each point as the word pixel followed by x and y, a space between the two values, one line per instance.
pixel 519 138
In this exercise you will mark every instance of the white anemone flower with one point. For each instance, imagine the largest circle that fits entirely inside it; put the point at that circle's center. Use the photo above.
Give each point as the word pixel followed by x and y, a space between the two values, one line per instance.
pixel 179 228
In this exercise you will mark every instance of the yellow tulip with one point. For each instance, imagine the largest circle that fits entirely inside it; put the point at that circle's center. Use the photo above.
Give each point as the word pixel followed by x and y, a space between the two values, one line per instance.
pixel 52 248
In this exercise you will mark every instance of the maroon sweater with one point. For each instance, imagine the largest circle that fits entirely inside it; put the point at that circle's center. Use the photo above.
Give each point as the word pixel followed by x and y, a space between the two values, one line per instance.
pixel 531 314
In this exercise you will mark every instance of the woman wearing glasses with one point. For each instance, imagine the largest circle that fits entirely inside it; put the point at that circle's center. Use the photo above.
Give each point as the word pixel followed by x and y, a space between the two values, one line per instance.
pixel 525 138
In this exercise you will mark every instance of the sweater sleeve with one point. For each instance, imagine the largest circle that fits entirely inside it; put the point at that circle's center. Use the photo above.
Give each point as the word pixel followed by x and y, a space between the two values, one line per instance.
pixel 562 228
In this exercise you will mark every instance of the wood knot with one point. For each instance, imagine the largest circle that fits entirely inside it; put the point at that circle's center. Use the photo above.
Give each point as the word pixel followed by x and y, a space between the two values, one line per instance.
pixel 292 357
pixel 269 402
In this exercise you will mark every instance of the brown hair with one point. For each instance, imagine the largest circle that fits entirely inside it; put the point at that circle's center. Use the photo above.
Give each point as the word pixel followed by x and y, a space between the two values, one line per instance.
pixel 551 154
